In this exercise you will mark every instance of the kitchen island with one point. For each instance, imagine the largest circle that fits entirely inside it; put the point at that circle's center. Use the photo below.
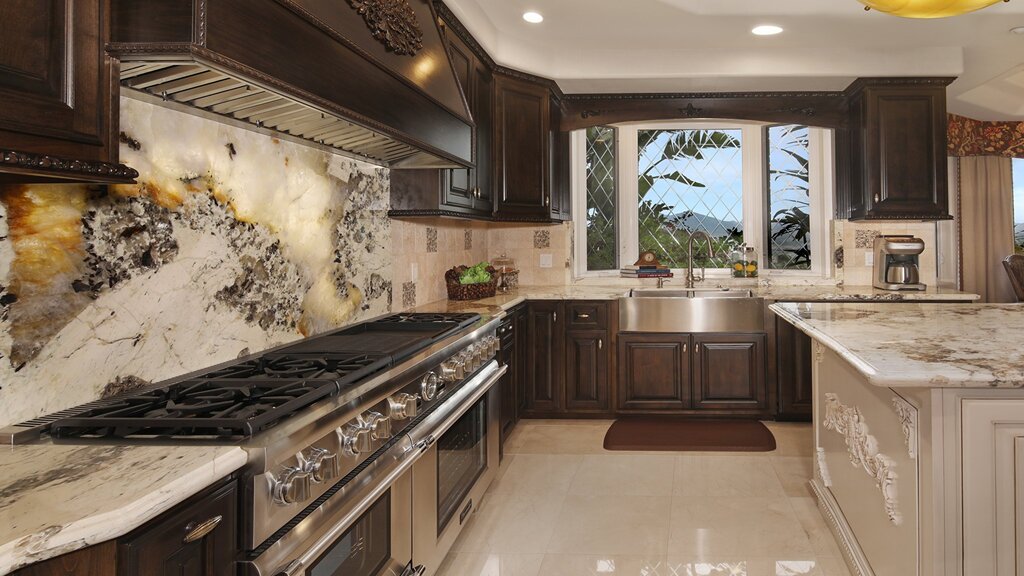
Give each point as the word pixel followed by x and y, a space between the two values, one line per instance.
pixel 919 434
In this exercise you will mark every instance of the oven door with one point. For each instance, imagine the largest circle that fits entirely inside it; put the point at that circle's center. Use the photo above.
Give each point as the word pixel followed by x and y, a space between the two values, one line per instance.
pixel 365 529
pixel 450 479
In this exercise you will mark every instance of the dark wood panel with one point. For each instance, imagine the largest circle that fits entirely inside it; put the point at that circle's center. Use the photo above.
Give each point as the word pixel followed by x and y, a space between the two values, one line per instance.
pixel 587 315
pixel 98 560
pixel 521 153
pixel 160 547
pixel 654 372
pixel 509 382
pixel 729 371
pixel 793 371
pixel 587 370
pixel 59 92
pixel 545 365
pixel 522 357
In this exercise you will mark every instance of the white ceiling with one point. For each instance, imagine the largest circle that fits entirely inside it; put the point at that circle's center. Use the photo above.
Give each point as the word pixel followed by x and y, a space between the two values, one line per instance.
pixel 706 45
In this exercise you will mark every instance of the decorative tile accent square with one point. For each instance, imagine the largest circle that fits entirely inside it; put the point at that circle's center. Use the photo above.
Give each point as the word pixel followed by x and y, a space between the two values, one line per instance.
pixel 431 240
pixel 541 239
pixel 837 258
pixel 408 294
pixel 467 240
pixel 865 238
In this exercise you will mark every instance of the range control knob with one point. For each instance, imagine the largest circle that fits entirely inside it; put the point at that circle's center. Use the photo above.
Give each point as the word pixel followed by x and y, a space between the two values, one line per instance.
pixel 322 465
pixel 495 344
pixel 293 486
pixel 379 426
pixel 428 386
pixel 470 358
pixel 402 406
pixel 353 439
pixel 449 370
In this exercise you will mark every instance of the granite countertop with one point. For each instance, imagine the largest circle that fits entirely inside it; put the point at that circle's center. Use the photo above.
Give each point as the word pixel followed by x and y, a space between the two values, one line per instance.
pixel 58 498
pixel 824 293
pixel 918 344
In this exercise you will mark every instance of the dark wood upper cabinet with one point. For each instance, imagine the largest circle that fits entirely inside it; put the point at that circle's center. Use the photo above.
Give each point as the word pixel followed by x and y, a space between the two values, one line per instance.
pixel 522 143
pixel 199 538
pixel 729 372
pixel 545 356
pixel 59 118
pixel 895 144
pixel 559 166
pixel 654 372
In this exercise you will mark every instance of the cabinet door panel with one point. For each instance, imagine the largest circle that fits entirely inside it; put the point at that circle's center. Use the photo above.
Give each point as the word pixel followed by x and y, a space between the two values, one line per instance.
pixel 729 371
pixel 160 548
pixel 522 357
pixel 56 80
pixel 522 161
pixel 654 372
pixel 793 369
pixel 546 354
pixel 587 362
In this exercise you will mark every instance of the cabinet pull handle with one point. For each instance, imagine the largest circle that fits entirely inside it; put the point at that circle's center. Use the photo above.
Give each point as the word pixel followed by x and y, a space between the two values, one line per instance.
pixel 547 201
pixel 583 316
pixel 600 343
pixel 198 531
pixel 684 348
pixel 554 316
pixel 877 198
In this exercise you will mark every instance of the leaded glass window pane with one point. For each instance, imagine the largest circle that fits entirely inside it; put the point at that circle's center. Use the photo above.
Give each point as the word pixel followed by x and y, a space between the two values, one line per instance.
pixel 690 180
pixel 789 220
pixel 601 199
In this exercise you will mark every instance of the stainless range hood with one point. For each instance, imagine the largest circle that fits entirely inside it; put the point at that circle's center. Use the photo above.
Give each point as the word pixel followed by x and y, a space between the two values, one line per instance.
pixel 311 69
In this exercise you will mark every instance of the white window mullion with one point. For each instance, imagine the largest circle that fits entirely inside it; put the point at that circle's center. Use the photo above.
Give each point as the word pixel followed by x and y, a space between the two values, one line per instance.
pixel 626 189
pixel 578 185
pixel 821 181
pixel 753 190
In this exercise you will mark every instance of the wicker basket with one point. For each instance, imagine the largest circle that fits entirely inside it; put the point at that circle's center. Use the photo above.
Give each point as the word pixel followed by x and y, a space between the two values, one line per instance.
pixel 458 291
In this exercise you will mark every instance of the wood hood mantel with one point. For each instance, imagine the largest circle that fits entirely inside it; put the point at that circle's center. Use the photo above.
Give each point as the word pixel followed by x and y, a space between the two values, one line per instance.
pixel 368 77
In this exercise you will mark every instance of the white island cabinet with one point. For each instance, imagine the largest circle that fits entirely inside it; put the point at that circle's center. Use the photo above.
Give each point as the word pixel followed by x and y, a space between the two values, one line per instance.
pixel 919 434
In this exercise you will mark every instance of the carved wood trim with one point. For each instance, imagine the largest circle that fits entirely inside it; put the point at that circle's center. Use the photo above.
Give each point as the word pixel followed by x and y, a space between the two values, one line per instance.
pixel 908 422
pixel 823 473
pixel 65 168
pixel 863 449
pixel 393 23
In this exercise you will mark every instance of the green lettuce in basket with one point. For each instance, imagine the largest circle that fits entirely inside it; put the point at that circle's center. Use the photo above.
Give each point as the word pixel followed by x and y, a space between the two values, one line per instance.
pixel 476 274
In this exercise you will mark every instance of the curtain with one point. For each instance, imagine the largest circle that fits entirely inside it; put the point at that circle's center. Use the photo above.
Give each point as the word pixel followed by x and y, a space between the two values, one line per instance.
pixel 986 226
pixel 970 137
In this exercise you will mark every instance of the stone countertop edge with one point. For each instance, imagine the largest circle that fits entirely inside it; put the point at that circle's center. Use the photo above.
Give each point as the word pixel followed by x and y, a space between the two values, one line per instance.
pixel 43 539
pixel 947 374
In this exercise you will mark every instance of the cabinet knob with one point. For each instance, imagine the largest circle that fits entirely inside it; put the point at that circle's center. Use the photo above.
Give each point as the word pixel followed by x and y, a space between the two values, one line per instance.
pixel 547 201
pixel 600 343
pixel 199 531
pixel 877 198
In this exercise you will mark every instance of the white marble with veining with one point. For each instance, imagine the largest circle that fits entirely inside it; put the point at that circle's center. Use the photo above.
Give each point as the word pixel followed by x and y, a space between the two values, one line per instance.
pixel 920 344
pixel 55 499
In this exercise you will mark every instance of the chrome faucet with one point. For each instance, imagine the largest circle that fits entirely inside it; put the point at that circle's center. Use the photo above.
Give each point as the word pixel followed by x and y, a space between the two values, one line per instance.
pixel 662 282
pixel 690 279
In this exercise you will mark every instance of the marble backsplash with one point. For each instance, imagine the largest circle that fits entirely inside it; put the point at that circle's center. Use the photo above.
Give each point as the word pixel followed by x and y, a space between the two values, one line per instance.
pixel 231 242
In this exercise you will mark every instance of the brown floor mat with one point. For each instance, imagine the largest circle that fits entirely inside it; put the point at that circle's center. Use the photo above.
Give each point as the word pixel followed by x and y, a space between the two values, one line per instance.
pixel 688 435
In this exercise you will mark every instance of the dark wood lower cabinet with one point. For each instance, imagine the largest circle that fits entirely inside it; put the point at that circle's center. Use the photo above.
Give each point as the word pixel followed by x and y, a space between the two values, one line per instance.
pixel 522 398
pixel 654 372
pixel 587 366
pixel 196 538
pixel 177 543
pixel 509 382
pixel 729 372
pixel 793 372
pixel 545 356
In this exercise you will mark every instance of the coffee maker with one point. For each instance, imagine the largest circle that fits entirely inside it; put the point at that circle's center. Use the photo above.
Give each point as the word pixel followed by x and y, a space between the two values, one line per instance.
pixel 896 263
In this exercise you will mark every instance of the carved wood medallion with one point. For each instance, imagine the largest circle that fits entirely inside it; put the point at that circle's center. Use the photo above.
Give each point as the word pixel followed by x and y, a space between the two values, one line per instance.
pixel 393 22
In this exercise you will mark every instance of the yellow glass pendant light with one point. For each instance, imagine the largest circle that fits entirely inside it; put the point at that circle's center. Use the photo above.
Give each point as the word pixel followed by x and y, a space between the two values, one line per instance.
pixel 927 8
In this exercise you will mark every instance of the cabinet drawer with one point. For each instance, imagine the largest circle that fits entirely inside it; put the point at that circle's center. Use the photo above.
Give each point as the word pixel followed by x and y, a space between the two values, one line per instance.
pixel 587 315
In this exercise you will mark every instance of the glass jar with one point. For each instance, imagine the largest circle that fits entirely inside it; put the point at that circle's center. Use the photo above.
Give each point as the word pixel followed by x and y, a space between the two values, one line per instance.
pixel 508 275
pixel 736 262
pixel 749 262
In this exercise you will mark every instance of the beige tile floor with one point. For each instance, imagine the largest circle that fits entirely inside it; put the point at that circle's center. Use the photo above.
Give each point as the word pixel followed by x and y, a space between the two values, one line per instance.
pixel 564 506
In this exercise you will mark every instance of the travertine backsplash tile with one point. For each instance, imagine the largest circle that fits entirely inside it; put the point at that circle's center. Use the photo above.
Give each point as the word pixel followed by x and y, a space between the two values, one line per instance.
pixel 854 241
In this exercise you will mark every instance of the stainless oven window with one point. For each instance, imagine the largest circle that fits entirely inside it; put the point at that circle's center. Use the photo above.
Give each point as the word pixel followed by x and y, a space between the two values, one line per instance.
pixel 364 549
pixel 461 459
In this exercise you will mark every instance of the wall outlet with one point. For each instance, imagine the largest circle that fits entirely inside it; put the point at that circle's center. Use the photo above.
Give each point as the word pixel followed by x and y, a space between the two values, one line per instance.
pixel 545 261
pixel 869 258
pixel 414 271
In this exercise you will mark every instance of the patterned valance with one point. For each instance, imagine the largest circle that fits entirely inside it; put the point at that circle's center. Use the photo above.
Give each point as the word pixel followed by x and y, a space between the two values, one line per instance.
pixel 969 137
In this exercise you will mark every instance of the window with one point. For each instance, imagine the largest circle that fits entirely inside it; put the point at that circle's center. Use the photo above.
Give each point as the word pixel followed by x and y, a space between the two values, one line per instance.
pixel 1018 205
pixel 652 186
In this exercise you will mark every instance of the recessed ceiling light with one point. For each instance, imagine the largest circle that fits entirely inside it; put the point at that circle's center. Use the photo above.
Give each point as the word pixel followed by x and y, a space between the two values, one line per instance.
pixel 766 30
pixel 533 17
pixel 1017 30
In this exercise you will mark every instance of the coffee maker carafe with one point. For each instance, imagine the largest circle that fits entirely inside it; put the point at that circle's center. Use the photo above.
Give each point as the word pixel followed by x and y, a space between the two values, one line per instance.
pixel 896 263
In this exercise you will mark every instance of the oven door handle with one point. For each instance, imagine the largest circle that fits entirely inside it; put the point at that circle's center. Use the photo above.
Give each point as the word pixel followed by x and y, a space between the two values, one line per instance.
pixel 406 456
pixel 437 423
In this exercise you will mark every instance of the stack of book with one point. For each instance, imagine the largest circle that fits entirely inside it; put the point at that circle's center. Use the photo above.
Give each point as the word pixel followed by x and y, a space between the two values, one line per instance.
pixel 645 271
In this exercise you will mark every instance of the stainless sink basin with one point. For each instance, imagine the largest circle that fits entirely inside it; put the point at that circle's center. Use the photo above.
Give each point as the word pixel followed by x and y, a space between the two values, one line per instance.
pixel 690 293
pixel 691 310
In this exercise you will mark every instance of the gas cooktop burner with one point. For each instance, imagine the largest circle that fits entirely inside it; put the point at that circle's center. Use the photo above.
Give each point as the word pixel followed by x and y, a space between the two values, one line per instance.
pixel 205 408
pixel 343 368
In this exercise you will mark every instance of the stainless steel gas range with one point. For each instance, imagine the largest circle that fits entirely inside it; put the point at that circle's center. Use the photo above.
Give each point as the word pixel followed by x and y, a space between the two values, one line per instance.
pixel 348 435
